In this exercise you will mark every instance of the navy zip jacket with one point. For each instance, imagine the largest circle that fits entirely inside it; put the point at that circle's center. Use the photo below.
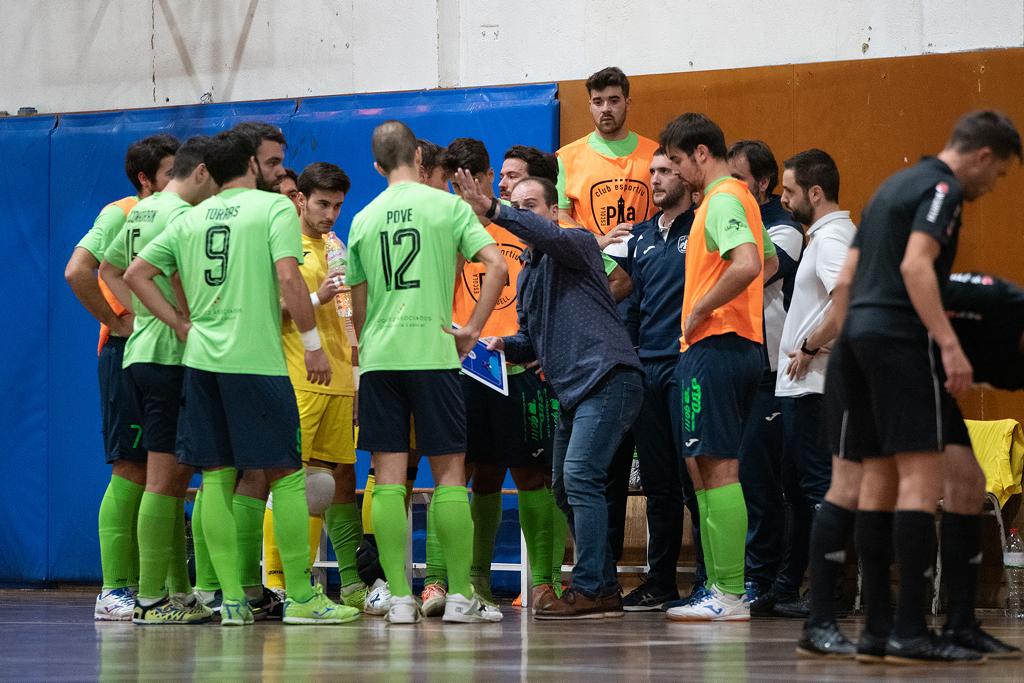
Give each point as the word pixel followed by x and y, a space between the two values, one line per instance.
pixel 658 269
pixel 567 317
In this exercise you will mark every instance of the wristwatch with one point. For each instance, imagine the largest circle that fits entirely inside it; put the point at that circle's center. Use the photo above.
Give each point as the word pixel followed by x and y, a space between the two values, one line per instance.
pixel 804 349
pixel 492 212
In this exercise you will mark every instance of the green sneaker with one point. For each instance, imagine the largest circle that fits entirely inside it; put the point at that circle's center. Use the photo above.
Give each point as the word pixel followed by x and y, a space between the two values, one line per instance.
pixel 235 613
pixel 319 609
pixel 355 597
pixel 169 611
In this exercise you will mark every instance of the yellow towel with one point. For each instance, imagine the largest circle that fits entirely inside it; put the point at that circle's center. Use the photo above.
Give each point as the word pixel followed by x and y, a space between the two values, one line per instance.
pixel 999 447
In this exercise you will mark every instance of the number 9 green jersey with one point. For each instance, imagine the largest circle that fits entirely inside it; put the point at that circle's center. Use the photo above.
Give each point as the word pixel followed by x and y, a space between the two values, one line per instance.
pixel 403 245
pixel 225 249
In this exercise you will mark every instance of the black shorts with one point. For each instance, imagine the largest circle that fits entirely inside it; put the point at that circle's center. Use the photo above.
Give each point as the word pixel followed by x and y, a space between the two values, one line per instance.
pixel 718 377
pixel 249 422
pixel 432 398
pixel 122 428
pixel 514 430
pixel 157 391
pixel 886 396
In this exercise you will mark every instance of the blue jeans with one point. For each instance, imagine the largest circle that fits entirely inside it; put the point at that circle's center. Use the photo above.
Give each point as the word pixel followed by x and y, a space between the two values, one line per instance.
pixel 584 446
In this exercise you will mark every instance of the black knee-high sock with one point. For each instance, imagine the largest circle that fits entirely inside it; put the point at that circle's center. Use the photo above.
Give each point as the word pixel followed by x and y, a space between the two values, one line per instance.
pixel 873 538
pixel 829 536
pixel 961 556
pixel 914 544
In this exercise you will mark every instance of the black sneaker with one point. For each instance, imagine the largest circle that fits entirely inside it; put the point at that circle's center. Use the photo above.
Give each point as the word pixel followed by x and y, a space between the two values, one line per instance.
pixel 870 648
pixel 268 606
pixel 974 638
pixel 929 649
pixel 825 641
pixel 763 604
pixel 793 609
pixel 647 598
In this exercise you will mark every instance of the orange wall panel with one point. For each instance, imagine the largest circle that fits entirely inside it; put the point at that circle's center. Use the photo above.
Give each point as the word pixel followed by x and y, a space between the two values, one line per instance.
pixel 874 117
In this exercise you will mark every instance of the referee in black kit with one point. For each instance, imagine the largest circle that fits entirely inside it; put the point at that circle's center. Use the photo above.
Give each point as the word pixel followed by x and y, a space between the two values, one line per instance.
pixel 901 364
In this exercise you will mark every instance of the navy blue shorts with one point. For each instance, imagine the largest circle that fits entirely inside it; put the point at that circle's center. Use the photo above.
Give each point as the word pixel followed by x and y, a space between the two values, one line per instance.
pixel 718 377
pixel 432 398
pixel 157 392
pixel 249 422
pixel 514 430
pixel 122 428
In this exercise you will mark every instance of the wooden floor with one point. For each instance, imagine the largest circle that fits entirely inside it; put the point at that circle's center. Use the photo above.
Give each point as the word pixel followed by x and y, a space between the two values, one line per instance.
pixel 51 635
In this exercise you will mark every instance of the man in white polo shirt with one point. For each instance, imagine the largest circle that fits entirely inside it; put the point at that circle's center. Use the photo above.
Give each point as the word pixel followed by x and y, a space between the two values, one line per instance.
pixel 810 191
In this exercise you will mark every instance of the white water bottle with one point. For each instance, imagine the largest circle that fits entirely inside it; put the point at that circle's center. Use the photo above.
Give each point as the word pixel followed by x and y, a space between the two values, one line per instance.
pixel 337 262
pixel 1013 561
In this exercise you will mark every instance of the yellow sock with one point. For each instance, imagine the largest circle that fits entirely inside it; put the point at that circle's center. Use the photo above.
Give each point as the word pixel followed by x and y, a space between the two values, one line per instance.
pixel 316 525
pixel 271 558
pixel 368 504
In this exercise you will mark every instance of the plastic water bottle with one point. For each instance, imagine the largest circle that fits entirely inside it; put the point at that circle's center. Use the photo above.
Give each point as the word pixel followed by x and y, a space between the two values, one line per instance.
pixel 1013 561
pixel 337 262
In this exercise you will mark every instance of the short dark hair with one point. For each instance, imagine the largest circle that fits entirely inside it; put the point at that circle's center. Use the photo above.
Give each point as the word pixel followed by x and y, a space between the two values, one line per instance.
pixel 189 156
pixel 815 167
pixel 607 77
pixel 258 131
pixel 986 128
pixel 549 188
pixel 228 156
pixel 468 153
pixel 759 156
pixel 430 154
pixel 686 131
pixel 290 173
pixel 539 164
pixel 144 156
pixel 393 145
pixel 321 175
pixel 660 152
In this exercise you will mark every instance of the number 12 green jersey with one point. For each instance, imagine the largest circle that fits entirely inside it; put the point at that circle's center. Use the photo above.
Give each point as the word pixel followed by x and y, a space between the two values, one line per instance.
pixel 403 245
pixel 225 249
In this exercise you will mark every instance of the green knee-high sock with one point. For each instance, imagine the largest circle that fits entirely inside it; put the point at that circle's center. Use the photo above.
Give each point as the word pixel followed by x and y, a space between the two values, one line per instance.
pixel 391 528
pixel 727 527
pixel 705 538
pixel 345 531
pixel 535 520
pixel 291 531
pixel 437 573
pixel 206 577
pixel 248 512
pixel 156 535
pixel 220 530
pixel 485 509
pixel 455 530
pixel 177 564
pixel 119 550
pixel 559 535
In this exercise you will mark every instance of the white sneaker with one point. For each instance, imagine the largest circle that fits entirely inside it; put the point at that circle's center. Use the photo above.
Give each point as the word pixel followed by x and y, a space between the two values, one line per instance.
pixel 715 606
pixel 115 605
pixel 463 610
pixel 378 601
pixel 403 610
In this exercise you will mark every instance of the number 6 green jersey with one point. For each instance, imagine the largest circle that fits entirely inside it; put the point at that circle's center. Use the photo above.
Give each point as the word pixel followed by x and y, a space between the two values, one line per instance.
pixel 151 340
pixel 404 246
pixel 224 250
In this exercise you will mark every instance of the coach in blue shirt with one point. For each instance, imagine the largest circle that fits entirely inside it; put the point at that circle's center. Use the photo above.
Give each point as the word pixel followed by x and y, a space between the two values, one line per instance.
pixel 568 321
pixel 656 262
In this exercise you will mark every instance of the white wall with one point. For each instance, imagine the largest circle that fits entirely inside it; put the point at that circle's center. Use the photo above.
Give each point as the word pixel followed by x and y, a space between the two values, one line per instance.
pixel 74 55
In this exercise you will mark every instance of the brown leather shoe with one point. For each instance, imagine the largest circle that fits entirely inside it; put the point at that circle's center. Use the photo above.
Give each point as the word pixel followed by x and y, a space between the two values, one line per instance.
pixel 612 604
pixel 541 597
pixel 571 605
